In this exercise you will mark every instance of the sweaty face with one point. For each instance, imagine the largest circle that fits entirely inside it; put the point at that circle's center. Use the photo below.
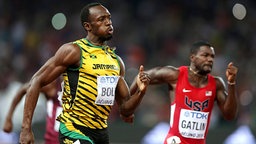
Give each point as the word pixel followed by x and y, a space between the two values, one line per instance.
pixel 101 24
pixel 203 60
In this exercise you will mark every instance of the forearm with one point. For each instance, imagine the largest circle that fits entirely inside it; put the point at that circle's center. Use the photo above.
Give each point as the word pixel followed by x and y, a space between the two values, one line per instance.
pixel 16 101
pixel 231 103
pixel 128 108
pixel 137 91
pixel 29 107
pixel 12 109
pixel 133 87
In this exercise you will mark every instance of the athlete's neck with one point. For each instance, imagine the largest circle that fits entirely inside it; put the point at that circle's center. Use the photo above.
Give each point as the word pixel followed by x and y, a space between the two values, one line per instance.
pixel 196 79
pixel 95 42
pixel 196 73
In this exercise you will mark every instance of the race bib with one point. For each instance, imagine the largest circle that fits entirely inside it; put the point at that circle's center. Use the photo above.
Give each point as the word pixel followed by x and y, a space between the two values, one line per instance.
pixel 193 124
pixel 106 86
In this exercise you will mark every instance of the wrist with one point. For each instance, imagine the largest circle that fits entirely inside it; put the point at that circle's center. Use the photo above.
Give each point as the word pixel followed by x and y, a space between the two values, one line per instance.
pixel 26 126
pixel 141 92
pixel 128 119
pixel 9 118
pixel 231 83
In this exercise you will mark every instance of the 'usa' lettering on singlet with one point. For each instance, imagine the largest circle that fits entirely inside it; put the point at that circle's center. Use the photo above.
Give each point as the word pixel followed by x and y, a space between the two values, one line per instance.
pixel 196 105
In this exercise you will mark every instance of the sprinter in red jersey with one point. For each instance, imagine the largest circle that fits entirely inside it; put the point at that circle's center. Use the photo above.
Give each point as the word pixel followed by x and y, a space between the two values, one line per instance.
pixel 193 91
pixel 53 110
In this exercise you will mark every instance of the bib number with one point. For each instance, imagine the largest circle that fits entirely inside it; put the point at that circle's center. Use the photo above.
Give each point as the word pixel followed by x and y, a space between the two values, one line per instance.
pixel 193 124
pixel 106 86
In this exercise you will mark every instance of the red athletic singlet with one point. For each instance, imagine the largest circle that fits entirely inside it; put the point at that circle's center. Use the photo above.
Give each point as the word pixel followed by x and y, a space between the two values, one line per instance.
pixel 191 110
pixel 52 125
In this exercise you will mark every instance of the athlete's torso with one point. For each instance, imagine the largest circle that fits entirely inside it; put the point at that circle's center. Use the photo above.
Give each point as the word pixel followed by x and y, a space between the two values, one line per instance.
pixel 81 87
pixel 191 110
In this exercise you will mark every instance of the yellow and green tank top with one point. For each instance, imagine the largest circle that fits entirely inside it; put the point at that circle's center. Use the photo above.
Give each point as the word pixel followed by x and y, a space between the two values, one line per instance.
pixel 80 86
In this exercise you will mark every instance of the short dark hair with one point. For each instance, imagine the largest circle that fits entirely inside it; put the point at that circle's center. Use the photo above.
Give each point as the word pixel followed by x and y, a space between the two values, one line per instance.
pixel 84 14
pixel 196 45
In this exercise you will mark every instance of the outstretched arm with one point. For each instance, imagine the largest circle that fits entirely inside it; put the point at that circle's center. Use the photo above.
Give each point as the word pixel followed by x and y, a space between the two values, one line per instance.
pixel 67 55
pixel 8 125
pixel 158 75
pixel 48 90
pixel 227 100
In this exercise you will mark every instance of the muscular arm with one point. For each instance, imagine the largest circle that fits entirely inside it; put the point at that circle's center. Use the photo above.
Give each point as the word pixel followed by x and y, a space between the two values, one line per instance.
pixel 19 95
pixel 48 90
pixel 159 75
pixel 128 104
pixel 227 100
pixel 67 55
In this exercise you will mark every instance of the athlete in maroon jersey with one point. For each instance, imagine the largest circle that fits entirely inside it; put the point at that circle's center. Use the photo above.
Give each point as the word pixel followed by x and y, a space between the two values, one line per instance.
pixel 53 109
pixel 193 91
pixel 52 125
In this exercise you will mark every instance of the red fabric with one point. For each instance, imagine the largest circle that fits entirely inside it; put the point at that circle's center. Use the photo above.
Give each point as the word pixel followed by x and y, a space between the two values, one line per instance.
pixel 195 102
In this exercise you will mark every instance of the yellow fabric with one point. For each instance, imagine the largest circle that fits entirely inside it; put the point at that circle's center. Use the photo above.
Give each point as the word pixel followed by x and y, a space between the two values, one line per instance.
pixel 80 107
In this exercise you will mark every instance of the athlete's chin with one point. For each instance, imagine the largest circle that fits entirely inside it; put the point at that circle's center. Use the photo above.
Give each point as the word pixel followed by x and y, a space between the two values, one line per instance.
pixel 208 71
pixel 205 71
pixel 107 37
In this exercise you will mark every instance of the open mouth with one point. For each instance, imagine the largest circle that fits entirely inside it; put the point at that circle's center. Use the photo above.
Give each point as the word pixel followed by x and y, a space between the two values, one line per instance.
pixel 110 30
pixel 208 65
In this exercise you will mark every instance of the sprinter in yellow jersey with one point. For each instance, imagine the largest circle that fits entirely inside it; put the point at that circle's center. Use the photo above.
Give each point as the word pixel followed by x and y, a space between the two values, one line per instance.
pixel 93 81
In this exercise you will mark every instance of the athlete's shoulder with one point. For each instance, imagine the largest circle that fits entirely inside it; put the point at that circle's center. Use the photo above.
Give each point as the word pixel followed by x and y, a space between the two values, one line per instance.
pixel 183 68
pixel 119 58
pixel 122 65
pixel 217 78
pixel 70 46
pixel 219 81
pixel 82 40
pixel 68 53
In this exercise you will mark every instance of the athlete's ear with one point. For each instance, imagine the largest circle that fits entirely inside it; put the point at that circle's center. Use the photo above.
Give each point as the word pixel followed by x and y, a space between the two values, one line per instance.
pixel 87 26
pixel 191 57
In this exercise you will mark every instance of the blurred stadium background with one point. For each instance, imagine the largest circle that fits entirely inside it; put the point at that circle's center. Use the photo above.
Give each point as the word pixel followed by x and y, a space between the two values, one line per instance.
pixel 148 32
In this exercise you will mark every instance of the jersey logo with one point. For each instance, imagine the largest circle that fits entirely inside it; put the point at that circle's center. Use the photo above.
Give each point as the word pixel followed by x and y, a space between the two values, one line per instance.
pixel 104 66
pixel 208 93
pixel 186 90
